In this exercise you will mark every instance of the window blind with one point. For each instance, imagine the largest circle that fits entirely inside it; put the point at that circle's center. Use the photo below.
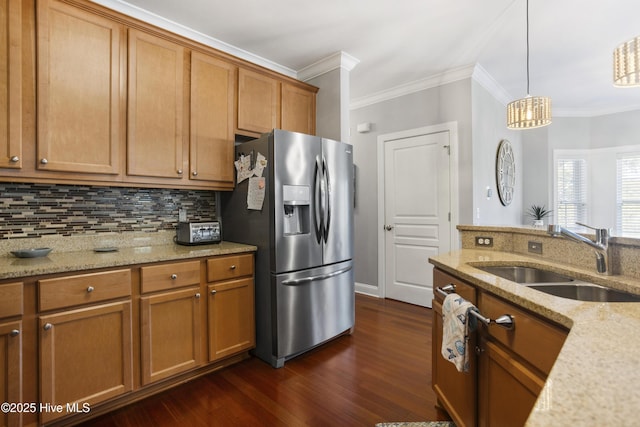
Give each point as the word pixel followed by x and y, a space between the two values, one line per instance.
pixel 571 188
pixel 628 195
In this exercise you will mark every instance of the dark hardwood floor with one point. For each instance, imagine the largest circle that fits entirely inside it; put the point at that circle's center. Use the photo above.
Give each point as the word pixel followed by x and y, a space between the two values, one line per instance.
pixel 380 373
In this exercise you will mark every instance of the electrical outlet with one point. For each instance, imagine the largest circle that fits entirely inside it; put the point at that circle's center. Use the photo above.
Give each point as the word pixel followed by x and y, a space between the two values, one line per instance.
pixel 483 241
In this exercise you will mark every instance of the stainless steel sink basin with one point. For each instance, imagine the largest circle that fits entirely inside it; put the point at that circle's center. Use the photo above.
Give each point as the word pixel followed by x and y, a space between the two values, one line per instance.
pixel 520 274
pixel 559 285
pixel 586 292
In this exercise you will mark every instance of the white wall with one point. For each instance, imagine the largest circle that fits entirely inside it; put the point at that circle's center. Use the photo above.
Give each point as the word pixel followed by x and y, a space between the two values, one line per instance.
pixel 489 120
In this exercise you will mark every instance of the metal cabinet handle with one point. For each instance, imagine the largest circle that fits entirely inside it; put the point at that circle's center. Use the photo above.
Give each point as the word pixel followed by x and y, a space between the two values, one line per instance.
pixel 213 291
pixel 47 326
pixel 233 267
pixel 90 289
pixel 194 173
pixel 197 295
pixel 44 161
pixel 388 227
pixel 174 276
pixel 14 333
pixel 505 321
pixel 179 171
pixel 15 159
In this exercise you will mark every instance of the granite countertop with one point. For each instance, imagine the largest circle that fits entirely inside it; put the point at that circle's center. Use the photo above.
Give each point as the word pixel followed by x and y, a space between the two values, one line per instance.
pixel 594 379
pixel 83 257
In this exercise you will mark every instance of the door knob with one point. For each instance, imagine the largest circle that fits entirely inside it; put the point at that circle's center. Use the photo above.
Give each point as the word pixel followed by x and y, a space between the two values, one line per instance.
pixel 388 227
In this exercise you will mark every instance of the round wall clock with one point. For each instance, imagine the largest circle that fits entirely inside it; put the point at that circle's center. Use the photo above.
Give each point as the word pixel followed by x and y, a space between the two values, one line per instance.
pixel 505 172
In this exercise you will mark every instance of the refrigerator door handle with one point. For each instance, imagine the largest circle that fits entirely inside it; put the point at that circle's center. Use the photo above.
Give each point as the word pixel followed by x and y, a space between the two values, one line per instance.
pixel 327 197
pixel 317 207
pixel 294 282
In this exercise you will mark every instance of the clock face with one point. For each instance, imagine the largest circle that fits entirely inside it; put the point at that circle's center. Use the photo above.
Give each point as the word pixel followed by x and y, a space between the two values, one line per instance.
pixel 505 172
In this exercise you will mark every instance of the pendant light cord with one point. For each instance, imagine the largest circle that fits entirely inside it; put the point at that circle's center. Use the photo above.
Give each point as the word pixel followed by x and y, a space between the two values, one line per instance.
pixel 528 48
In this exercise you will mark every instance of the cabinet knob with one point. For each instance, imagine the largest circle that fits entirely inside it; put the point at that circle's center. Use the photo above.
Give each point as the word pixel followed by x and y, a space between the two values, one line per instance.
pixel 179 171
pixel 233 267
pixel 14 333
pixel 197 295
pixel 174 276
pixel 90 289
pixel 479 350
pixel 47 326
pixel 44 161
pixel 213 291
pixel 15 159
pixel 194 173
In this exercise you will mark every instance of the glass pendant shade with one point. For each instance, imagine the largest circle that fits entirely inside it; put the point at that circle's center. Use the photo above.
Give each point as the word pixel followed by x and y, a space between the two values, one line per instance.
pixel 626 63
pixel 530 112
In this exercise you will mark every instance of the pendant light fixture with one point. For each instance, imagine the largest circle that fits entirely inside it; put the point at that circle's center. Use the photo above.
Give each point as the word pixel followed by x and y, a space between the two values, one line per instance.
pixel 530 111
pixel 626 64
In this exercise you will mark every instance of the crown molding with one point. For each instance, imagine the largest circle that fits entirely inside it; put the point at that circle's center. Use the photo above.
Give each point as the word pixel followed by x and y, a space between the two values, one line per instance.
pixel 166 24
pixel 337 60
pixel 449 76
pixel 487 81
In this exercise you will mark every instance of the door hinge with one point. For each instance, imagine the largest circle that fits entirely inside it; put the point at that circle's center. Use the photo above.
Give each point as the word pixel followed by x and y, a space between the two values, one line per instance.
pixel 449 216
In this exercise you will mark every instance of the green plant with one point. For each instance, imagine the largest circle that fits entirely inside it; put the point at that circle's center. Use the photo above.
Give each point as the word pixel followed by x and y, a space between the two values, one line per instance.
pixel 538 212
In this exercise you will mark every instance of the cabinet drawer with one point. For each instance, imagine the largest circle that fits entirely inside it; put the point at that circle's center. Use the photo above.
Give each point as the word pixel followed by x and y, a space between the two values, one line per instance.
pixel 441 279
pixel 533 338
pixel 83 289
pixel 229 267
pixel 170 276
pixel 11 299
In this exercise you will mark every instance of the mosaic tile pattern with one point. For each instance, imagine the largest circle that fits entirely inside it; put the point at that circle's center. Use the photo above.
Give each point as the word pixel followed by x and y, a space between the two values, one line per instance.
pixel 35 210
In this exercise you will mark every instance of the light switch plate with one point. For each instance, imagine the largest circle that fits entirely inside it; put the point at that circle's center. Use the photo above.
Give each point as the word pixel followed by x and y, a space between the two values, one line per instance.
pixel 535 247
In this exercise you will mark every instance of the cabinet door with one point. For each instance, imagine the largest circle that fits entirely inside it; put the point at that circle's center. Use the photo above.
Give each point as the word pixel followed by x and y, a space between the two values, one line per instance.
pixel 155 107
pixel 258 102
pixel 231 318
pixel 85 356
pixel 508 388
pixel 213 85
pixel 10 369
pixel 298 109
pixel 79 90
pixel 170 333
pixel 10 84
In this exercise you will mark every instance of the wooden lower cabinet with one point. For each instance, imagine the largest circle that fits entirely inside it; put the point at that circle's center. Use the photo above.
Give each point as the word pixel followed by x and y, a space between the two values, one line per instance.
pixel 508 388
pixel 170 333
pixel 11 369
pixel 231 318
pixel 456 392
pixel 85 357
pixel 509 368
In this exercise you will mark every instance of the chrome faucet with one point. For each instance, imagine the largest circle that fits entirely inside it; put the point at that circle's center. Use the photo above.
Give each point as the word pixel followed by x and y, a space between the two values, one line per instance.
pixel 600 244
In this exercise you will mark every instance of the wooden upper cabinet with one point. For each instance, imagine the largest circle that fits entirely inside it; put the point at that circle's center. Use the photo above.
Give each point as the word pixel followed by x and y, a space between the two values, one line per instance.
pixel 10 84
pixel 156 107
pixel 80 87
pixel 213 85
pixel 298 109
pixel 258 102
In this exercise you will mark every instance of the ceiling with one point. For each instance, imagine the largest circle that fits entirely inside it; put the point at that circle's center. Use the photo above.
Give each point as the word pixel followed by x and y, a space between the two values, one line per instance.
pixel 406 41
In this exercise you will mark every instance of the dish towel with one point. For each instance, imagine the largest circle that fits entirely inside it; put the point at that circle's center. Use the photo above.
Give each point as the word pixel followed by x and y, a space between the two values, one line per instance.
pixel 456 326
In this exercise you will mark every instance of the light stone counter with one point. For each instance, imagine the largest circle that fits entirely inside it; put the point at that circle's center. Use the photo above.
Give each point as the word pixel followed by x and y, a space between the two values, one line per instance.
pixel 77 253
pixel 594 380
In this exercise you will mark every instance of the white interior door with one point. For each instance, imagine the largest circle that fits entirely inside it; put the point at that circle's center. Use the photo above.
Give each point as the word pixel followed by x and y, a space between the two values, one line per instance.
pixel 417 213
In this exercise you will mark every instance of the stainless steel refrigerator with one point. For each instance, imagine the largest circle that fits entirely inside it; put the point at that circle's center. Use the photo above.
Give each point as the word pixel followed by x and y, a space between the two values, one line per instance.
pixel 304 234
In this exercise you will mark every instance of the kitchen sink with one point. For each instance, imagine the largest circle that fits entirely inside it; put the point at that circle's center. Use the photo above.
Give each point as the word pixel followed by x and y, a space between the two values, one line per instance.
pixel 586 292
pixel 520 274
pixel 558 284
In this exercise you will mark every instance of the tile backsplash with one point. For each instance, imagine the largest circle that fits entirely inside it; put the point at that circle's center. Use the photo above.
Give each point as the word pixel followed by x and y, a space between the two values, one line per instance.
pixel 35 210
